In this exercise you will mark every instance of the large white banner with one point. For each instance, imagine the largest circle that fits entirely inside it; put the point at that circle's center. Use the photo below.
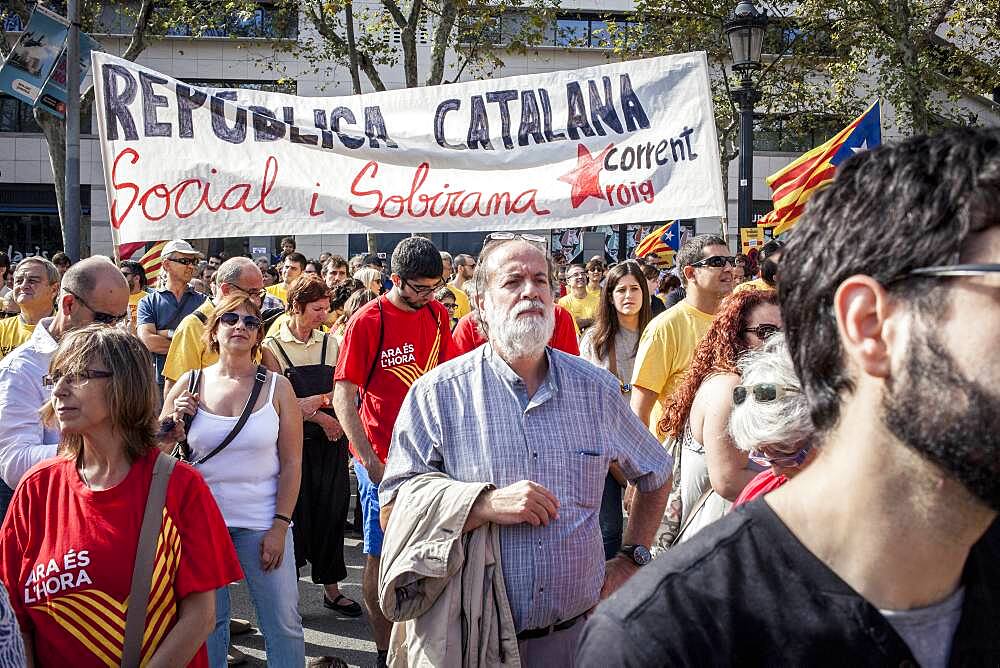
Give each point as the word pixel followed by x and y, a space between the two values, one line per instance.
pixel 627 142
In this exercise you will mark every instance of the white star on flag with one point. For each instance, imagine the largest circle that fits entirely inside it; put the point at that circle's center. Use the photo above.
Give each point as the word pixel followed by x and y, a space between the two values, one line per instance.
pixel 863 147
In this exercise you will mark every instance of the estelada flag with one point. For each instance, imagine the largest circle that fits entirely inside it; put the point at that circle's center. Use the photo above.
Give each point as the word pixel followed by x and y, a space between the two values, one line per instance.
pixel 794 185
pixel 663 242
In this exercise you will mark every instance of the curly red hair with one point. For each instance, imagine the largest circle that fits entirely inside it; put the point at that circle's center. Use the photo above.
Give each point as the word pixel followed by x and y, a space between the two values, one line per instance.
pixel 716 353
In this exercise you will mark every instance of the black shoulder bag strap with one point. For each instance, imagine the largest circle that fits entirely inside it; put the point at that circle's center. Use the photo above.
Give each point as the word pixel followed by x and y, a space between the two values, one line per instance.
pixel 322 353
pixel 284 355
pixel 142 572
pixel 183 450
pixel 244 416
pixel 179 313
pixel 378 350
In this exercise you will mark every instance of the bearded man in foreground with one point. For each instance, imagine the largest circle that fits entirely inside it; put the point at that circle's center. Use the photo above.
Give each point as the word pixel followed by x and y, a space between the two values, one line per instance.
pixel 541 427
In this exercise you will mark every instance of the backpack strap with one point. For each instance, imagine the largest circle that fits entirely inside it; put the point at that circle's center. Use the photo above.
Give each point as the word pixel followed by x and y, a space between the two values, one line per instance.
pixel 322 353
pixel 142 572
pixel 284 355
pixel 201 316
pixel 378 350
pixel 244 416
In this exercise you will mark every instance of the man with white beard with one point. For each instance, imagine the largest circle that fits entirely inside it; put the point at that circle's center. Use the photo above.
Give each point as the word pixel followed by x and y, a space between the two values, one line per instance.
pixel 541 426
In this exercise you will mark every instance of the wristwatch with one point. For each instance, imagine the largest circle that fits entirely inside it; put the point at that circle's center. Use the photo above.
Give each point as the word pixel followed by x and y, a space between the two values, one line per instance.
pixel 639 554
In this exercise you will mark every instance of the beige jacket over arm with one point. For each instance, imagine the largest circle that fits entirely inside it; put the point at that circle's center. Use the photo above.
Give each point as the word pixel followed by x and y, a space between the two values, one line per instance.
pixel 434 580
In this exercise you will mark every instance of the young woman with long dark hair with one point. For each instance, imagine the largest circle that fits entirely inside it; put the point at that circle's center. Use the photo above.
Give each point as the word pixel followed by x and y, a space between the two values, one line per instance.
pixel 623 312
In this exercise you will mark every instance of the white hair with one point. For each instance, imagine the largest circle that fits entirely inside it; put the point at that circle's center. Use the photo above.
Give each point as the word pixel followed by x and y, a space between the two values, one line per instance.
pixel 783 422
pixel 367 275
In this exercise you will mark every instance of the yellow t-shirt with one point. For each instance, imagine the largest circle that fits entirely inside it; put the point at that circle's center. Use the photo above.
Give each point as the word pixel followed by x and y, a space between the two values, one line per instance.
pixel 756 284
pixel 666 349
pixel 462 300
pixel 133 308
pixel 187 350
pixel 280 291
pixel 13 332
pixel 581 309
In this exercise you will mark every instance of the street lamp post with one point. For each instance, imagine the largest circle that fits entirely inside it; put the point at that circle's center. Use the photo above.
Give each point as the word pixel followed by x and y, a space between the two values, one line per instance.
pixel 745 32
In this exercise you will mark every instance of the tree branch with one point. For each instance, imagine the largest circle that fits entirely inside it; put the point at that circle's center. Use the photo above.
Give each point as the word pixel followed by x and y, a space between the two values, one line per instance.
pixel 395 12
pixel 937 19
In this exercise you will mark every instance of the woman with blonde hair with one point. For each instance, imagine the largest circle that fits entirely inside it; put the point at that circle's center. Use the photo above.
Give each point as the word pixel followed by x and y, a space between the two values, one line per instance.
pixel 371 278
pixel 68 544
pixel 245 437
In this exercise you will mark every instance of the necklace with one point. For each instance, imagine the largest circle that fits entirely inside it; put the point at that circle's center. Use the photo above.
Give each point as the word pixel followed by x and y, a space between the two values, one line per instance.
pixel 83 474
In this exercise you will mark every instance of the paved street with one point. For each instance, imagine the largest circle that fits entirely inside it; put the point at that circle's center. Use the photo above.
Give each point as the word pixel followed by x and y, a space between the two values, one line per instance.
pixel 327 633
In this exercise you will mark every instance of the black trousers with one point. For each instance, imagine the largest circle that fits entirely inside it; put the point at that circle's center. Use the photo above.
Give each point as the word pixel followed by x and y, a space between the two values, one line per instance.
pixel 318 520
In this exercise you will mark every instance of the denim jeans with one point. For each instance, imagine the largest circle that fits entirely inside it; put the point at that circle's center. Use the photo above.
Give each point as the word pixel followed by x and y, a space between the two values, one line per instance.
pixel 611 518
pixel 275 596
pixel 6 495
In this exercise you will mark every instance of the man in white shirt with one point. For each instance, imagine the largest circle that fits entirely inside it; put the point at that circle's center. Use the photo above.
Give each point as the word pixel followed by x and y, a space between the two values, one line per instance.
pixel 93 290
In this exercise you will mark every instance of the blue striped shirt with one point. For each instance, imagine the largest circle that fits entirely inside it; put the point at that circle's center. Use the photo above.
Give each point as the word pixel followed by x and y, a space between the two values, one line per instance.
pixel 472 419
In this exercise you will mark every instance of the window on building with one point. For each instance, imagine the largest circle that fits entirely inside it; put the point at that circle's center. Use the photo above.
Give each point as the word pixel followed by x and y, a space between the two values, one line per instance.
pixel 283 86
pixel 266 21
pixel 475 30
pixel 794 134
pixel 17 116
pixel 591 31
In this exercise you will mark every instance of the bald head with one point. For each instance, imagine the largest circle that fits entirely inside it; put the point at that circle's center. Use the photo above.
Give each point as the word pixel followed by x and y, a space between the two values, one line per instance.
pixel 240 273
pixel 495 254
pixel 90 287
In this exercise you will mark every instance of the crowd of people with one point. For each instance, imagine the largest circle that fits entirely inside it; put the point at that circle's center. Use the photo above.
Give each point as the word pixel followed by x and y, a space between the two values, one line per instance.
pixel 785 459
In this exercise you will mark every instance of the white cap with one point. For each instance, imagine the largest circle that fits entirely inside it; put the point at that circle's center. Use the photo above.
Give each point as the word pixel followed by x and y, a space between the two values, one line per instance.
pixel 180 247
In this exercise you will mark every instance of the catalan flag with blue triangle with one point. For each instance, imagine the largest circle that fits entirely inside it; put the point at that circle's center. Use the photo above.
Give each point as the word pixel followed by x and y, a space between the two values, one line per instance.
pixel 795 184
pixel 662 242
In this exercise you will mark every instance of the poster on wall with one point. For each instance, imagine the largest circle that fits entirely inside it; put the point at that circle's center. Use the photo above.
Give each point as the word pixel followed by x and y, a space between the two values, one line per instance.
pixel 622 143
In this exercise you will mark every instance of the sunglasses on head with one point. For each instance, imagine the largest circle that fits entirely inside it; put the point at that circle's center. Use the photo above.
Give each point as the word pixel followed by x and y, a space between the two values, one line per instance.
pixel 249 321
pixel 784 460
pixel 762 392
pixel 762 331
pixel 716 261
pixel 99 316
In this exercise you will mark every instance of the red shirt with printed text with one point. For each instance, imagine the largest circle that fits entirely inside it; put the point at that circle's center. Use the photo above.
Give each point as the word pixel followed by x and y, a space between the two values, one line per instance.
pixel 68 553
pixel 413 343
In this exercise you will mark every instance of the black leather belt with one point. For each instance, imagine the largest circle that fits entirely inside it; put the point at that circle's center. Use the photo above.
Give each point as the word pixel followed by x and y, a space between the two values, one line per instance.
pixel 531 634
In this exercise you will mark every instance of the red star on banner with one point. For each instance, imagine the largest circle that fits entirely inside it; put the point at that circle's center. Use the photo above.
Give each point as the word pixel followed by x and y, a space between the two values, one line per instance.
pixel 584 178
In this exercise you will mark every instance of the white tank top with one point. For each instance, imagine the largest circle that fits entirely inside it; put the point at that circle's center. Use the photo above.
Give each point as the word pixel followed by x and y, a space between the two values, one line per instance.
pixel 244 476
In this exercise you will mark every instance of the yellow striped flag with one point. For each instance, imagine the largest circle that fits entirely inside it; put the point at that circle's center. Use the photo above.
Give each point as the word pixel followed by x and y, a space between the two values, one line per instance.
pixel 793 185
pixel 151 262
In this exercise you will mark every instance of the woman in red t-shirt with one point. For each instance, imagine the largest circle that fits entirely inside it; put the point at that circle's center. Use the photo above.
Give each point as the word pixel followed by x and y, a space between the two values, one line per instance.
pixel 68 543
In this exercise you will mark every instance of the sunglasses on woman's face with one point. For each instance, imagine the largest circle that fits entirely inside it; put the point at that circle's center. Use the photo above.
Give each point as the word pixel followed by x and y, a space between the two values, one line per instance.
pixel 780 459
pixel 763 330
pixel 249 321
pixel 762 392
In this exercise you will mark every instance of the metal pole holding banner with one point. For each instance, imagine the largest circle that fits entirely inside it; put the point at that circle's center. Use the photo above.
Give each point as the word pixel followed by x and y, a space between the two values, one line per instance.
pixel 71 206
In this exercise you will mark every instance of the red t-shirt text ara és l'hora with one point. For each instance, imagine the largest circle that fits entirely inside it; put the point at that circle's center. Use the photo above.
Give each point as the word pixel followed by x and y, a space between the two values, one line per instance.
pixel 413 343
pixel 68 553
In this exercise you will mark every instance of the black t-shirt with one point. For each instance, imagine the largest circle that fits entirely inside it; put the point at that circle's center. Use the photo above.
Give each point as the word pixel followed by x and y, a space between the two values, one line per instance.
pixel 746 592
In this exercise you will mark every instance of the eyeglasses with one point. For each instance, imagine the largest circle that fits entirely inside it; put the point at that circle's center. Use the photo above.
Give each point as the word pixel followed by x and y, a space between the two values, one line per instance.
pixel 579 274
pixel 783 460
pixel 762 392
pixel 716 261
pixel 259 293
pixel 186 261
pixel 762 331
pixel 74 378
pixel 99 316
pixel 955 270
pixel 249 321
pixel 450 307
pixel 421 290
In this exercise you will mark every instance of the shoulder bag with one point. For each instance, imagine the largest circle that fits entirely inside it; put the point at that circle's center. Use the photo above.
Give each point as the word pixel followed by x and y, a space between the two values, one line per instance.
pixel 142 572
pixel 183 450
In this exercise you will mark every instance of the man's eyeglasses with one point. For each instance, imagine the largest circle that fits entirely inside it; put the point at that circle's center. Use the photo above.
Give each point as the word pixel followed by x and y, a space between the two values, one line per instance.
pixel 954 270
pixel 259 293
pixel 762 331
pixel 249 321
pixel 716 261
pixel 762 392
pixel 186 261
pixel 783 460
pixel 74 378
pixel 421 290
pixel 449 306
pixel 99 316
